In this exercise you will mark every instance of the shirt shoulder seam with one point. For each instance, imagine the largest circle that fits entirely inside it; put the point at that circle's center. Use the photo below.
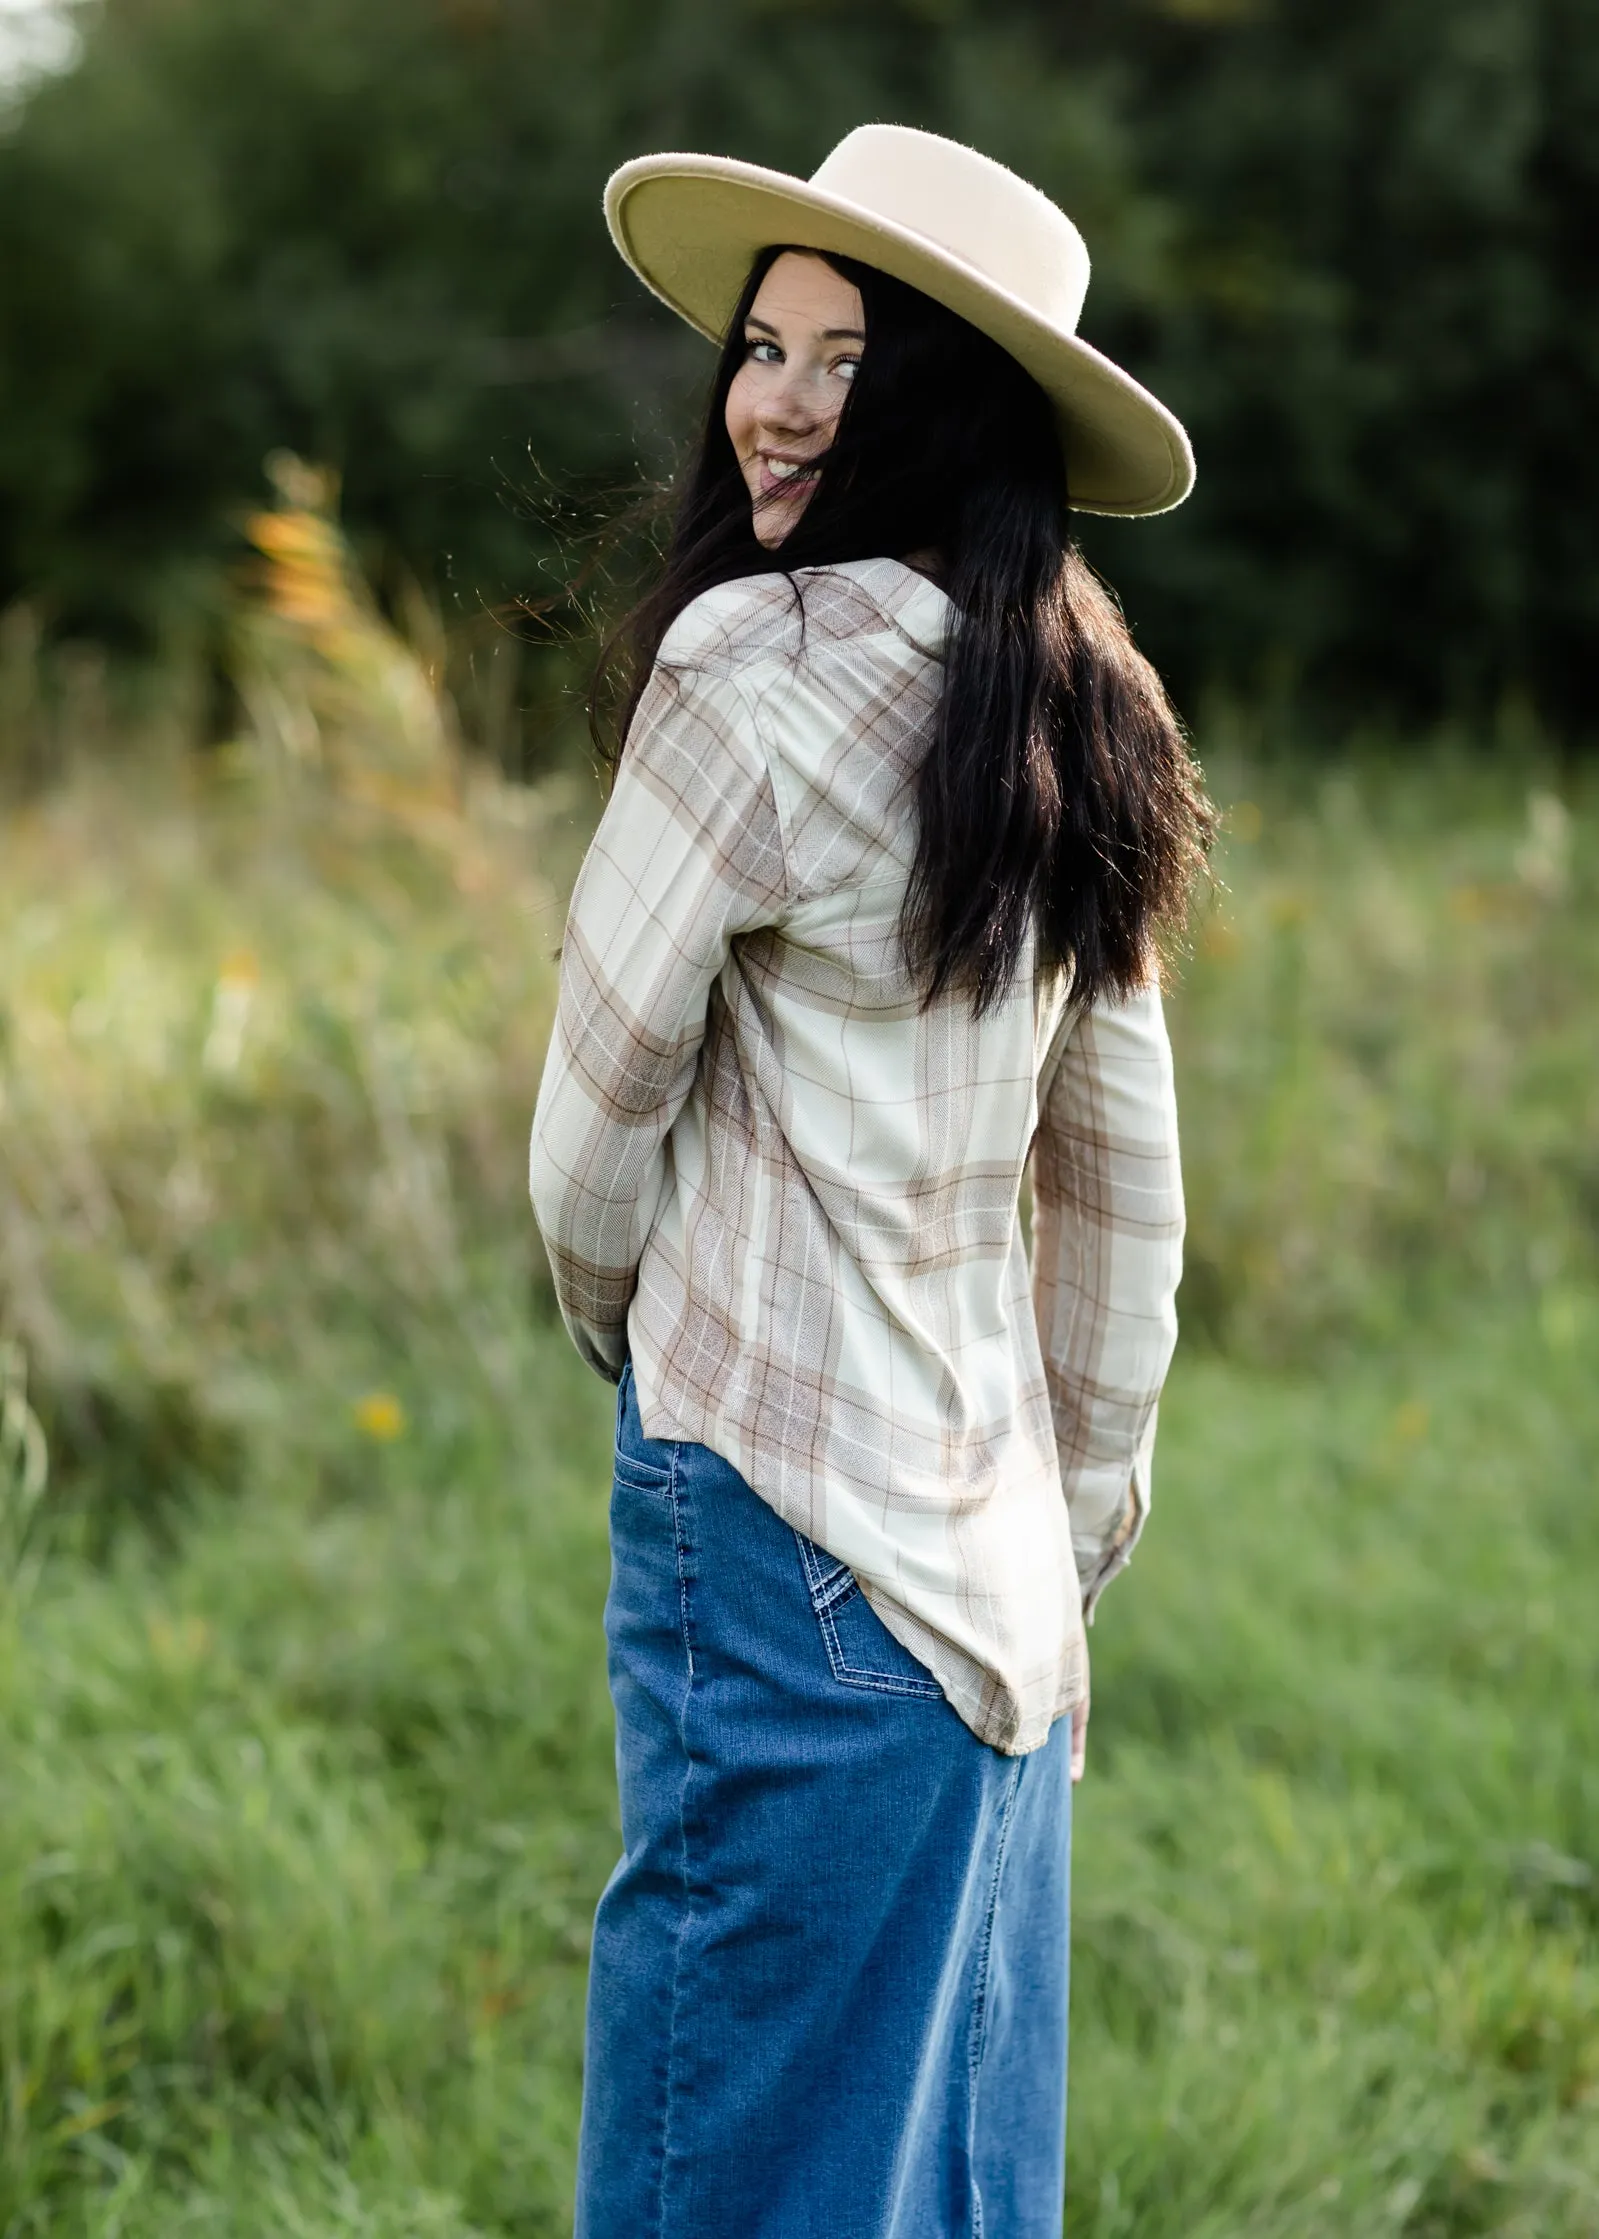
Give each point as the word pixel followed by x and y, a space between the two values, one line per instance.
pixel 750 702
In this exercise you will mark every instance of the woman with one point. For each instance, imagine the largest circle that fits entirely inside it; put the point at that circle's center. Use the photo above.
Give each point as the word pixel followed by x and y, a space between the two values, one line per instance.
pixel 870 919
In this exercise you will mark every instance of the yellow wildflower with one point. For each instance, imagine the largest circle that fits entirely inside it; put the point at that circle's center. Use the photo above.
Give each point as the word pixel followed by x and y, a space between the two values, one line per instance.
pixel 380 1415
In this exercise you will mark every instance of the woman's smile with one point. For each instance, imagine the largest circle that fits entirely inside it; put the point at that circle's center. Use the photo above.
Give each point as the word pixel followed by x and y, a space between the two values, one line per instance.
pixel 785 474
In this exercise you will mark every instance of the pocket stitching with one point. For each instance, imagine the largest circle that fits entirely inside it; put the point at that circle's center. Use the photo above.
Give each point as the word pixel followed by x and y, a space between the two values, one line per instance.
pixel 823 1574
pixel 641 1477
pixel 862 1675
pixel 825 1604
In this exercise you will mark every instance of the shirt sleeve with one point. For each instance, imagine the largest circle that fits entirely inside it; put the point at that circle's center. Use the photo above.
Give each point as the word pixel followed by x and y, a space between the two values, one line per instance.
pixel 687 856
pixel 1107 1256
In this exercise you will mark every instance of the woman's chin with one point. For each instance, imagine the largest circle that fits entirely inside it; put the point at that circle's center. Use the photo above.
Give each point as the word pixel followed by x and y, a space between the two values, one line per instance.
pixel 775 519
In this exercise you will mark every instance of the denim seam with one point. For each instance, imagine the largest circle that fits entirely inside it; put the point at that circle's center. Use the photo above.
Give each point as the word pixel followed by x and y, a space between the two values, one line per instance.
pixel 685 1913
pixel 682 1582
pixel 979 2036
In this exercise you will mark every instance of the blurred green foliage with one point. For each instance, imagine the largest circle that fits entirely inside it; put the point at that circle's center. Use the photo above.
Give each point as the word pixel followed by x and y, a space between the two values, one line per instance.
pixel 1343 237
pixel 269 1047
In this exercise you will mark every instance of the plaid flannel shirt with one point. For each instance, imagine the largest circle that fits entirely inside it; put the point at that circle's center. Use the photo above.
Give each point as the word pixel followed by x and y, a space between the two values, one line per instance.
pixel 793 1193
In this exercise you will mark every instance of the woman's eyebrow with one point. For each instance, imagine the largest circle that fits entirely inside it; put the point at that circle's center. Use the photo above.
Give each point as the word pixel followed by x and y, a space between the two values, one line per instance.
pixel 829 334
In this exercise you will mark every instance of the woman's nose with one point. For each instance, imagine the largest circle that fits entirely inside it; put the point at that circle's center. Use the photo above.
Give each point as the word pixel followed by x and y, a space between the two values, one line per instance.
pixel 792 403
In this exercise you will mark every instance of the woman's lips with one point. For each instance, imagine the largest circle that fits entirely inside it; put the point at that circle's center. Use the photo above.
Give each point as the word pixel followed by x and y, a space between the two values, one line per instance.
pixel 786 485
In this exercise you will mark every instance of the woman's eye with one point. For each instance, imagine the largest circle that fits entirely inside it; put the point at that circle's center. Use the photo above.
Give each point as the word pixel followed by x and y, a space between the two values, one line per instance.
pixel 754 344
pixel 847 368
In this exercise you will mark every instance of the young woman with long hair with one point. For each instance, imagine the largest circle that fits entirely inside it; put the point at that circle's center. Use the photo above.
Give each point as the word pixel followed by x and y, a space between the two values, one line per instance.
pixel 870 929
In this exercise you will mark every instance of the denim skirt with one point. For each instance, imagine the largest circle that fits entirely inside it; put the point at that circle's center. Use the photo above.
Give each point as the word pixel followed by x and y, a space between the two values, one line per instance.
pixel 827 1997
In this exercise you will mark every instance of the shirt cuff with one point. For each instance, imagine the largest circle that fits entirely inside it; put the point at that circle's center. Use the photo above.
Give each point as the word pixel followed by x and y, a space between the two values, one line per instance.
pixel 1098 1564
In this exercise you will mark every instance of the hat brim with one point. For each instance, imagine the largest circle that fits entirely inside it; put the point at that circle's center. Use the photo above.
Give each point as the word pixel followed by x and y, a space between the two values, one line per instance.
pixel 691 225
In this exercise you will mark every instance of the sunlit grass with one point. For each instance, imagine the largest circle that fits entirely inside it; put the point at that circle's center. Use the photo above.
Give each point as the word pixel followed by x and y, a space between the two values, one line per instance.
pixel 1337 1966
pixel 1386 1037
pixel 305 1785
pixel 271 1021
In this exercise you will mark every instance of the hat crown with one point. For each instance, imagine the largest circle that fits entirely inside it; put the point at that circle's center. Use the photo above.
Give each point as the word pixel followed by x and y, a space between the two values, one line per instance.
pixel 970 206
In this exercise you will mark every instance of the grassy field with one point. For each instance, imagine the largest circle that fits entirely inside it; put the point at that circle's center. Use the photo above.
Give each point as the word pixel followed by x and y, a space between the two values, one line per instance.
pixel 305 1790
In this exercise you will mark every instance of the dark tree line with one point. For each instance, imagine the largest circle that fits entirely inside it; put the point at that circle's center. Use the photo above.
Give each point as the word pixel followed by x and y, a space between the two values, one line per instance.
pixel 1342 237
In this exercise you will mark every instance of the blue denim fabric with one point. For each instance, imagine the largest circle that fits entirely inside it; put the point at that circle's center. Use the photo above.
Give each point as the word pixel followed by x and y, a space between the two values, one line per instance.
pixel 828 1989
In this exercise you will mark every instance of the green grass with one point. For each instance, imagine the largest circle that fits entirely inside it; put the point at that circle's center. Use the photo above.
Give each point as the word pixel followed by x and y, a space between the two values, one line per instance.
pixel 305 1782
pixel 305 1816
pixel 1336 1957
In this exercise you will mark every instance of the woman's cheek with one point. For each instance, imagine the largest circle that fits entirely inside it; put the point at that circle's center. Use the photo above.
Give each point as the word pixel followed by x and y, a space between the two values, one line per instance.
pixel 736 414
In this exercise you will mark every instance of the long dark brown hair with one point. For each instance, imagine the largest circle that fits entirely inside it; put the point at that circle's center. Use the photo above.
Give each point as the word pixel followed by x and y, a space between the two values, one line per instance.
pixel 1057 791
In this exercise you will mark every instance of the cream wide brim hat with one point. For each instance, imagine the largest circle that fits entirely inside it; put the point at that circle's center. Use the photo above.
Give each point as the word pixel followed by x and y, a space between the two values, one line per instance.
pixel 949 221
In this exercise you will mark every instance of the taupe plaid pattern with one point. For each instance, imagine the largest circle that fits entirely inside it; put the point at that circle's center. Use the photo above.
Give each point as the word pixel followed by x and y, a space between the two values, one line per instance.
pixel 793 1192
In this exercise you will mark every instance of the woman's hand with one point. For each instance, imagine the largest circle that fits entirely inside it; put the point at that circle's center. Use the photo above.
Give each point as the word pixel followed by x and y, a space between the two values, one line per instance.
pixel 1079 1738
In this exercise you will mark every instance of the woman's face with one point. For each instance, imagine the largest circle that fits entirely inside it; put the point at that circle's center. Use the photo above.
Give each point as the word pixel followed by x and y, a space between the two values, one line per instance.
pixel 802 342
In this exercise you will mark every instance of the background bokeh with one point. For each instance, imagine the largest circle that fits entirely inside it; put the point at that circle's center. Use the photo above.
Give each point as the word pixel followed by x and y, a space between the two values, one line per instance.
pixel 319 391
pixel 1343 237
